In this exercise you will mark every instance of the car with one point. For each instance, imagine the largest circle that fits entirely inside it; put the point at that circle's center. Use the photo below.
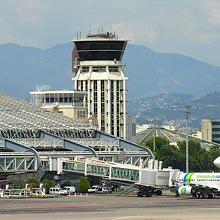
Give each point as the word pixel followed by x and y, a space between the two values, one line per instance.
pixel 6 193
pixel 95 189
pixel 105 190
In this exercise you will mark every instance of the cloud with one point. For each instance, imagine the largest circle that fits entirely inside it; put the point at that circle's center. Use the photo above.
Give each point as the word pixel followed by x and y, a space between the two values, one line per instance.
pixel 188 27
pixel 5 35
pixel 204 37
pixel 212 9
pixel 31 12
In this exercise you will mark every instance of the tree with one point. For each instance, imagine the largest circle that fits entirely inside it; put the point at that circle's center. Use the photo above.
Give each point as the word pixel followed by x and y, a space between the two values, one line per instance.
pixel 33 182
pixel 200 159
pixel 47 184
pixel 160 144
pixel 84 184
pixel 171 156
pixel 163 151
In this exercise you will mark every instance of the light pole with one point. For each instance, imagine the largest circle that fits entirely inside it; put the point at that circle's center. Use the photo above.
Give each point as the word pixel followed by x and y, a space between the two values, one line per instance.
pixel 187 112
pixel 154 142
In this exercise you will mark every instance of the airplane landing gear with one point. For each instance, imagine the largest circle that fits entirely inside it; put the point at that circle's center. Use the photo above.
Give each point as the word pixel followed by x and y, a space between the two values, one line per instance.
pixel 204 194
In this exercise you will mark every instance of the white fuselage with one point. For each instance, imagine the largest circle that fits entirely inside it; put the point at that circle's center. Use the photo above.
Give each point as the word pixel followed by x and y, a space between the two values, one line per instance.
pixel 210 180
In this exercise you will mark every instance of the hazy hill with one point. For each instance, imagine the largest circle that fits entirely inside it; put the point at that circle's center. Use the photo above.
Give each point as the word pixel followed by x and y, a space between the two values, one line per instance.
pixel 169 108
pixel 161 101
pixel 150 73
pixel 22 68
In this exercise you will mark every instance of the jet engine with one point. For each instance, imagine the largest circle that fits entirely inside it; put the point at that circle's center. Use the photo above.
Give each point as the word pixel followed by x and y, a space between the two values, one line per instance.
pixel 185 191
pixel 217 162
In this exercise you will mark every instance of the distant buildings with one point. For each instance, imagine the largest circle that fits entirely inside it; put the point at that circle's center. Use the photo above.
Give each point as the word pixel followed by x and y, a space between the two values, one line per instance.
pixel 198 134
pixel 211 130
pixel 131 128
pixel 69 102
pixel 142 127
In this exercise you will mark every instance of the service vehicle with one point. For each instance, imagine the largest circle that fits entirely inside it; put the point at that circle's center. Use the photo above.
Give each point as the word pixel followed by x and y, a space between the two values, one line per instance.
pixel 57 191
pixel 95 189
pixel 69 190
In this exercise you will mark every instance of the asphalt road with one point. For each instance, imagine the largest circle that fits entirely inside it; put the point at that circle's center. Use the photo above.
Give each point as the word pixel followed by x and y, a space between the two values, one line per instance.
pixel 109 208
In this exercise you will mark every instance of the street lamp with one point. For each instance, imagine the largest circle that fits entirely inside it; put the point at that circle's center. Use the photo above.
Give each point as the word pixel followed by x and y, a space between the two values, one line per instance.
pixel 187 112
pixel 154 142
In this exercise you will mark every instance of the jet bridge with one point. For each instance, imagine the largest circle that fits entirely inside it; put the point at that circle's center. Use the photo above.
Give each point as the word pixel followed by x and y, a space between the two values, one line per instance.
pixel 153 175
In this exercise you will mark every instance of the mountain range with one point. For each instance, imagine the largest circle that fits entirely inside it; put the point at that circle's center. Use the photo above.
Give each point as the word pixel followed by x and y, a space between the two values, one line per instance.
pixel 149 73
pixel 170 109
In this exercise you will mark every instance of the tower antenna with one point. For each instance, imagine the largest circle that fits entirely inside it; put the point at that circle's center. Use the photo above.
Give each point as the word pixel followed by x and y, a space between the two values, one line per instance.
pixel 77 32
pixel 89 29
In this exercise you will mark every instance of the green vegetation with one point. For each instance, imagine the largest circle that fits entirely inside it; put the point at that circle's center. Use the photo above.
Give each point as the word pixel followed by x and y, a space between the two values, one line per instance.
pixel 47 184
pixel 33 182
pixel 84 184
pixel 200 159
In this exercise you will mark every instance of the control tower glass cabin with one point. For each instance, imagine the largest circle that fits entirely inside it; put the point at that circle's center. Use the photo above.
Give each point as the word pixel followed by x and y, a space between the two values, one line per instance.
pixel 99 70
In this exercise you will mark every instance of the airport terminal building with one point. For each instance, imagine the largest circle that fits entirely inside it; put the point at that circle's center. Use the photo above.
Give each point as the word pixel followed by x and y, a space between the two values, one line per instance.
pixel 33 141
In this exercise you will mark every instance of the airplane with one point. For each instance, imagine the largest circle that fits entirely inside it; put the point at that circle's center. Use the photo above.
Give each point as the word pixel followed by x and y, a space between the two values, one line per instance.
pixel 199 185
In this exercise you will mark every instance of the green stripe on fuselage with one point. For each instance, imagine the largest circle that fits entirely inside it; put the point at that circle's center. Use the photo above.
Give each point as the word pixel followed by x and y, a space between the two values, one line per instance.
pixel 189 178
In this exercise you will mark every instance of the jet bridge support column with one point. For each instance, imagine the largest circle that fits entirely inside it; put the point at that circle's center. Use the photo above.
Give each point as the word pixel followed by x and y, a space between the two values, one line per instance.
pixel 86 163
pixel 140 170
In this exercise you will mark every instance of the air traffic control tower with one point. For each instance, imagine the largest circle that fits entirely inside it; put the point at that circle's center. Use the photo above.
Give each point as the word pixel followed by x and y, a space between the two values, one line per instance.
pixel 99 70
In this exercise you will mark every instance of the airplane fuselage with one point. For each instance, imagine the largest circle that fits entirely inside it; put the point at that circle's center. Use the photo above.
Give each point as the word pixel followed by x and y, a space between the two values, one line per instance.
pixel 204 185
pixel 211 180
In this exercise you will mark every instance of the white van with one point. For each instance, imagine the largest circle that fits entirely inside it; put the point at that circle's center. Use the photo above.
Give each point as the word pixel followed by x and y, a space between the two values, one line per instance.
pixel 69 190
pixel 56 191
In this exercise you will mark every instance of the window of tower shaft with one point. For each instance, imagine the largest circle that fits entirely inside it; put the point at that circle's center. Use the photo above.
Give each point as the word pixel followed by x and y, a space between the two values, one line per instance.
pixel 113 69
pixel 98 69
pixel 85 69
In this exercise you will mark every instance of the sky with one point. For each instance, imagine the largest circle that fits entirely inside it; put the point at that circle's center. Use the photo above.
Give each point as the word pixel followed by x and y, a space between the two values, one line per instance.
pixel 189 27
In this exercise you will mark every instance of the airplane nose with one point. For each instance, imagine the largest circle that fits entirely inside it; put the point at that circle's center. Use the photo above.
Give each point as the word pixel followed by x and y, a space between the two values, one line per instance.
pixel 217 162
